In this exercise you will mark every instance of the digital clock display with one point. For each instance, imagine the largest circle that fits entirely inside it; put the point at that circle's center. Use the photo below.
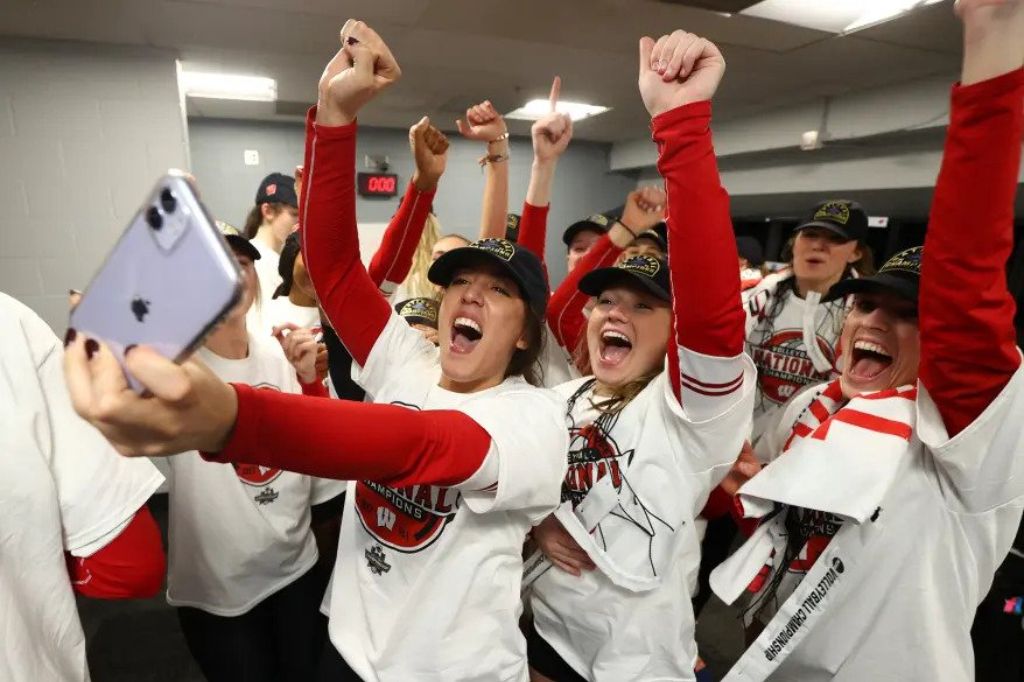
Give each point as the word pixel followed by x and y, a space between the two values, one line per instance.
pixel 378 184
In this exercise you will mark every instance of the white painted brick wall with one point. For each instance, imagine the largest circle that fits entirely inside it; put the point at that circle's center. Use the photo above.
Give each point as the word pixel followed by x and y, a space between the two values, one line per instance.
pixel 84 132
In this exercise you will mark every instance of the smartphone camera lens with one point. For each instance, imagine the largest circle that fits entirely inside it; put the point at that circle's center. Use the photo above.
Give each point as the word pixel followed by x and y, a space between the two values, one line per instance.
pixel 154 219
pixel 167 201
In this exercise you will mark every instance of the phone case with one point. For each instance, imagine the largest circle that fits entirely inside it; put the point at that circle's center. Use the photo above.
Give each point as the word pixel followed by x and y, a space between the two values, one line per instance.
pixel 165 288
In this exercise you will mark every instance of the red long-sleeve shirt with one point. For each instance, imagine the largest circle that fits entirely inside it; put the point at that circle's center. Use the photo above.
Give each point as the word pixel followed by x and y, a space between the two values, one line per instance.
pixel 131 566
pixel 968 346
pixel 393 259
pixel 533 229
pixel 707 315
pixel 565 315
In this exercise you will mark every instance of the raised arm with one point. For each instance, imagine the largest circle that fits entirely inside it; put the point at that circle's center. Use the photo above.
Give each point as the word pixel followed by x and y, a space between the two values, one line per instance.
pixel 484 124
pixel 330 241
pixel 644 209
pixel 968 350
pixel 551 135
pixel 678 76
pixel 393 259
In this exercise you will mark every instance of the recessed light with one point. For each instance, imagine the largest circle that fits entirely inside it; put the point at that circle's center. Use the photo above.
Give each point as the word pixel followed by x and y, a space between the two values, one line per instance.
pixel 228 86
pixel 834 16
pixel 537 108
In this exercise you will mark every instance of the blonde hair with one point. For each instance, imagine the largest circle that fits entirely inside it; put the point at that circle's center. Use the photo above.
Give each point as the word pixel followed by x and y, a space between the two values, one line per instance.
pixel 416 284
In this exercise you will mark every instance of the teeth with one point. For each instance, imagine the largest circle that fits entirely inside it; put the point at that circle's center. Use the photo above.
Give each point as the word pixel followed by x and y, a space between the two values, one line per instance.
pixel 466 322
pixel 615 335
pixel 871 347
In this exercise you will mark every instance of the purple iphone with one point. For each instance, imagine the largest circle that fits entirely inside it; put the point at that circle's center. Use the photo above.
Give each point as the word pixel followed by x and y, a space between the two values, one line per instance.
pixel 168 281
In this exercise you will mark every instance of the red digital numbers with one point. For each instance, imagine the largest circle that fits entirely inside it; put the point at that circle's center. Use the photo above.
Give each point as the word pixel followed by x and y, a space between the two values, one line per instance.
pixel 378 184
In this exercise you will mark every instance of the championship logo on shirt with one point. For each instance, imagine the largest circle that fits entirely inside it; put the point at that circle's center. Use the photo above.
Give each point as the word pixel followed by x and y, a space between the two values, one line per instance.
pixel 593 454
pixel 783 366
pixel 406 519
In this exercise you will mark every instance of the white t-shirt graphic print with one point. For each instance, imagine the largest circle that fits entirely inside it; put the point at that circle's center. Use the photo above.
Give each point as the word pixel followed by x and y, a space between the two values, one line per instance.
pixel 240 533
pixel 662 461
pixel 65 490
pixel 427 582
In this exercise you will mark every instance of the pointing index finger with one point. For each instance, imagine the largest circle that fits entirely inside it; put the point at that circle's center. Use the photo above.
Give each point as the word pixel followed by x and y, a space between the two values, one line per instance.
pixel 556 90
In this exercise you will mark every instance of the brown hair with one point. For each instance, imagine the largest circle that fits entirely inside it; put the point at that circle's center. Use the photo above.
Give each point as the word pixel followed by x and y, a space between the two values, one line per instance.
pixel 527 361
pixel 255 218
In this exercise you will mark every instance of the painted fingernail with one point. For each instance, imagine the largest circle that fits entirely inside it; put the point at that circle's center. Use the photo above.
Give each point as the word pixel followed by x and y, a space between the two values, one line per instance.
pixel 353 40
pixel 91 346
pixel 69 337
pixel 74 292
pixel 129 348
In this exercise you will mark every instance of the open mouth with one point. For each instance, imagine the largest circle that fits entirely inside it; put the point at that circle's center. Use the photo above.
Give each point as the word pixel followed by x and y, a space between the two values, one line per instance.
pixel 869 360
pixel 466 333
pixel 615 346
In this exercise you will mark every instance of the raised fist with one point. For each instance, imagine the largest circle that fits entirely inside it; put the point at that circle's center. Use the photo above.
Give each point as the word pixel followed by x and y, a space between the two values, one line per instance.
pixel 551 134
pixel 644 209
pixel 483 122
pixel 430 151
pixel 678 69
pixel 362 67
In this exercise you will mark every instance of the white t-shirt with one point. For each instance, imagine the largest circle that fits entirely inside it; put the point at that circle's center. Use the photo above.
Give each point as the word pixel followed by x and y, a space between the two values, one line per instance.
pixel 270 311
pixel 65 490
pixel 631 618
pixel 427 582
pixel 555 362
pixel 239 533
pixel 902 606
pixel 776 345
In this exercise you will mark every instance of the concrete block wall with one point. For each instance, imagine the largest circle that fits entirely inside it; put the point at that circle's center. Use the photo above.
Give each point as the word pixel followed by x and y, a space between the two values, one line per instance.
pixel 84 133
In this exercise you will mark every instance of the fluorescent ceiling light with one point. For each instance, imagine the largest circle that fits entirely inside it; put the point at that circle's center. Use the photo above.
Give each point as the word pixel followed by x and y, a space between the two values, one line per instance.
pixel 834 16
pixel 537 108
pixel 228 86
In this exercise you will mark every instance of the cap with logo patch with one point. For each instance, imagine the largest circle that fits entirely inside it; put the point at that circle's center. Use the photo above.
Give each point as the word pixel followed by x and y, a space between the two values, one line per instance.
pixel 236 241
pixel 650 272
pixel 657 234
pixel 599 223
pixel 419 311
pixel 901 275
pixel 277 188
pixel 840 216
pixel 518 262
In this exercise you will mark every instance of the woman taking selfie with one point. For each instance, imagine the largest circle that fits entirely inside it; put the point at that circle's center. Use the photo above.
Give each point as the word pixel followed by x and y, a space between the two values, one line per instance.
pixel 444 485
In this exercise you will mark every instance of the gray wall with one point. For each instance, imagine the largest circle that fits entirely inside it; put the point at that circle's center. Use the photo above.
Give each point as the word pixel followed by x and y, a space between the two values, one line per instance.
pixel 84 132
pixel 583 184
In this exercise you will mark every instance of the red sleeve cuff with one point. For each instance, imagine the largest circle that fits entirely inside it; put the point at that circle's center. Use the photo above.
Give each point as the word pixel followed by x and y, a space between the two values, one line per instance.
pixel 326 132
pixel 695 115
pixel 986 90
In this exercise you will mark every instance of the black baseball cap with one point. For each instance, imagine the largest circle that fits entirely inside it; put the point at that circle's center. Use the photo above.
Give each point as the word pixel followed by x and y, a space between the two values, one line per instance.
pixel 419 311
pixel 599 223
pixel 236 241
pixel 277 188
pixel 843 217
pixel 512 227
pixel 650 272
pixel 901 275
pixel 520 264
pixel 286 265
pixel 657 234
pixel 749 248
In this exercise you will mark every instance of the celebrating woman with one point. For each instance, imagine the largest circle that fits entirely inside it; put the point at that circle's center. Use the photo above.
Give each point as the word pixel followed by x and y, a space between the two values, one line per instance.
pixel 649 442
pixel 896 490
pixel 445 483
